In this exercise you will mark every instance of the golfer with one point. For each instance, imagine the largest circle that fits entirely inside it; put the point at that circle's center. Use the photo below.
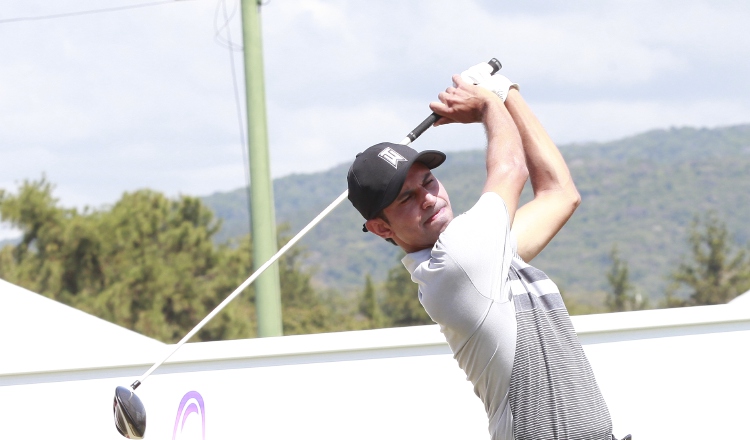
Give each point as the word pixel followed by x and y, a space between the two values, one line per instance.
pixel 504 320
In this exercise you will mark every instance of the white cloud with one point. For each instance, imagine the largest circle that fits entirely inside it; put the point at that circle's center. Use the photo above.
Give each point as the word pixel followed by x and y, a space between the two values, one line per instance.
pixel 113 102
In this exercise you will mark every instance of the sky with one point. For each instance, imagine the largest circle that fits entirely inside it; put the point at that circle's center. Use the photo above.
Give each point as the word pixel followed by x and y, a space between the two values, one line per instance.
pixel 110 102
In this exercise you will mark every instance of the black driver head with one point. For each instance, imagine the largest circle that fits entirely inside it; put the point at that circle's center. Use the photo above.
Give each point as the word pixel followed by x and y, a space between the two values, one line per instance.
pixel 130 414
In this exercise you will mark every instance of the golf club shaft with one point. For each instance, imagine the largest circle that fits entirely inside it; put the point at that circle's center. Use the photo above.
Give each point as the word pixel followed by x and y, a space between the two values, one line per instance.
pixel 242 286
pixel 413 135
pixel 255 275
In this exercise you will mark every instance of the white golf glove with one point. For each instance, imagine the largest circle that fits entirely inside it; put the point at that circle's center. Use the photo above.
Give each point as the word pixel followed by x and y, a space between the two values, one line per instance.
pixel 477 74
pixel 498 85
pixel 481 75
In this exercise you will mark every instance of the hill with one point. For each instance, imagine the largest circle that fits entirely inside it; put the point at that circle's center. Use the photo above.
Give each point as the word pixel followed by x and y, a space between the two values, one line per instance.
pixel 640 193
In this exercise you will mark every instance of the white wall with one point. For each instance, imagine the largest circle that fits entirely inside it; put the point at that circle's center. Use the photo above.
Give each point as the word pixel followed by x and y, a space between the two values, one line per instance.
pixel 666 374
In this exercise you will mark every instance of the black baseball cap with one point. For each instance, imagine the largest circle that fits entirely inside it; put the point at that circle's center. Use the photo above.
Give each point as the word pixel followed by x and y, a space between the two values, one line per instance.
pixel 378 173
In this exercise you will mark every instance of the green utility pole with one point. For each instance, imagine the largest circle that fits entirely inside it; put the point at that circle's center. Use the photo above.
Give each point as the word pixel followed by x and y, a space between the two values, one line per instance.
pixel 267 286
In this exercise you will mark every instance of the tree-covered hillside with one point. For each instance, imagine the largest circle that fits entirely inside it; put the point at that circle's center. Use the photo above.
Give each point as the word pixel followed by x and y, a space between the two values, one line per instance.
pixel 640 193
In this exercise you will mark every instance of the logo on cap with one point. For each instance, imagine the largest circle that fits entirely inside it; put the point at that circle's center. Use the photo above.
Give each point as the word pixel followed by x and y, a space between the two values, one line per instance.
pixel 391 156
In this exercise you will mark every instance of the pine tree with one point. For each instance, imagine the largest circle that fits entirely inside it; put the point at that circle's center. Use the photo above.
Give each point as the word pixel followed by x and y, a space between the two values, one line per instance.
pixel 619 282
pixel 717 273
pixel 369 306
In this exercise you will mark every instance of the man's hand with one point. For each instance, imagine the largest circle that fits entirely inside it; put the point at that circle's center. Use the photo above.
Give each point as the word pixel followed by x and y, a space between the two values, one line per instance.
pixel 464 103
pixel 499 85
pixel 506 167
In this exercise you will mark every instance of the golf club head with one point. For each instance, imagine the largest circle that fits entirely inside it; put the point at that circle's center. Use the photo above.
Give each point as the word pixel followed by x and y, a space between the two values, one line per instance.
pixel 130 414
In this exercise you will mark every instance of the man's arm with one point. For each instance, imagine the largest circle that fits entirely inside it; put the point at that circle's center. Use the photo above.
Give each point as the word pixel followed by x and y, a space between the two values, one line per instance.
pixel 506 166
pixel 555 194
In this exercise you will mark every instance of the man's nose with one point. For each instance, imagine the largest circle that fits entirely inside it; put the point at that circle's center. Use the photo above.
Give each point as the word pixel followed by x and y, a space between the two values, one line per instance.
pixel 428 199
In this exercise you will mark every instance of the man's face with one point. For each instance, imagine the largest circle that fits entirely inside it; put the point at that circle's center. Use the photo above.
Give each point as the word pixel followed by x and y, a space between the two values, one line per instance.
pixel 419 214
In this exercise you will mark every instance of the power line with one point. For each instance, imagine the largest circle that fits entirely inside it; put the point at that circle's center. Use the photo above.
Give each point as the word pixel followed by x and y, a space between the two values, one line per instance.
pixel 218 37
pixel 88 12
pixel 222 4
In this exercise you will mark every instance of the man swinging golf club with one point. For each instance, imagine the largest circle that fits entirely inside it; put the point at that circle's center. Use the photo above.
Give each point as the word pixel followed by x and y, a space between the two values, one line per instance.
pixel 504 320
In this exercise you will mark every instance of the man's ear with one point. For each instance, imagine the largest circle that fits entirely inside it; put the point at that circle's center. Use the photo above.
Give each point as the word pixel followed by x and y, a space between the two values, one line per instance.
pixel 379 227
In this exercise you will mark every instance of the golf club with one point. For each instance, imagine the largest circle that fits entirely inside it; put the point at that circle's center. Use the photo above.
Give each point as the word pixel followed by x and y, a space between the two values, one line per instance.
pixel 129 412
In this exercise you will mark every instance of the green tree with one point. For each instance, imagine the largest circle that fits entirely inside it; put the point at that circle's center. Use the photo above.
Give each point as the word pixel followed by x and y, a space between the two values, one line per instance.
pixel 401 305
pixel 304 310
pixel 369 306
pixel 622 297
pixel 619 282
pixel 44 227
pixel 717 272
pixel 233 266
pixel 148 263
pixel 142 264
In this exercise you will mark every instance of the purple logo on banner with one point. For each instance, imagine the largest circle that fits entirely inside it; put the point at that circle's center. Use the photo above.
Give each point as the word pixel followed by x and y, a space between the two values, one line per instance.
pixel 191 403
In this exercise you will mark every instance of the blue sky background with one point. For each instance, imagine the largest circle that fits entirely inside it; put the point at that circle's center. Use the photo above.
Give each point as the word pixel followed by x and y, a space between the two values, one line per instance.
pixel 114 102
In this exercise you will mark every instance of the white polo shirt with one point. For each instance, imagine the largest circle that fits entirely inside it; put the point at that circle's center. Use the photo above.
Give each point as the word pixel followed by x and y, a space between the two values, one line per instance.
pixel 508 328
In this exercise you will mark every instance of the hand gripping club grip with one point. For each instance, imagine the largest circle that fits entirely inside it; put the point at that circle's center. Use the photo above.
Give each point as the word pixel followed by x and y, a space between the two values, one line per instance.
pixel 427 123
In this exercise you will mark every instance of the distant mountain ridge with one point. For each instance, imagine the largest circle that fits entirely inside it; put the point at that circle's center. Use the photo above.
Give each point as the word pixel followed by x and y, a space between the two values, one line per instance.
pixel 640 192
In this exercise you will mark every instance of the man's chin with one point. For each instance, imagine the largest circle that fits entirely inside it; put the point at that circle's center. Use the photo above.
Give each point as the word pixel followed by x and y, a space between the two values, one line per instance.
pixel 441 221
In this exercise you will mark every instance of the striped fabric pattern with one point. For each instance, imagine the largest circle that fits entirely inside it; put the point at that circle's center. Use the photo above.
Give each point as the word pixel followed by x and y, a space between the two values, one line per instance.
pixel 553 393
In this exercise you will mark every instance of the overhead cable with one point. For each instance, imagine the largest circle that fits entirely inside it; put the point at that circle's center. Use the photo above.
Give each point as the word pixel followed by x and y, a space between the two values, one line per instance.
pixel 78 13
